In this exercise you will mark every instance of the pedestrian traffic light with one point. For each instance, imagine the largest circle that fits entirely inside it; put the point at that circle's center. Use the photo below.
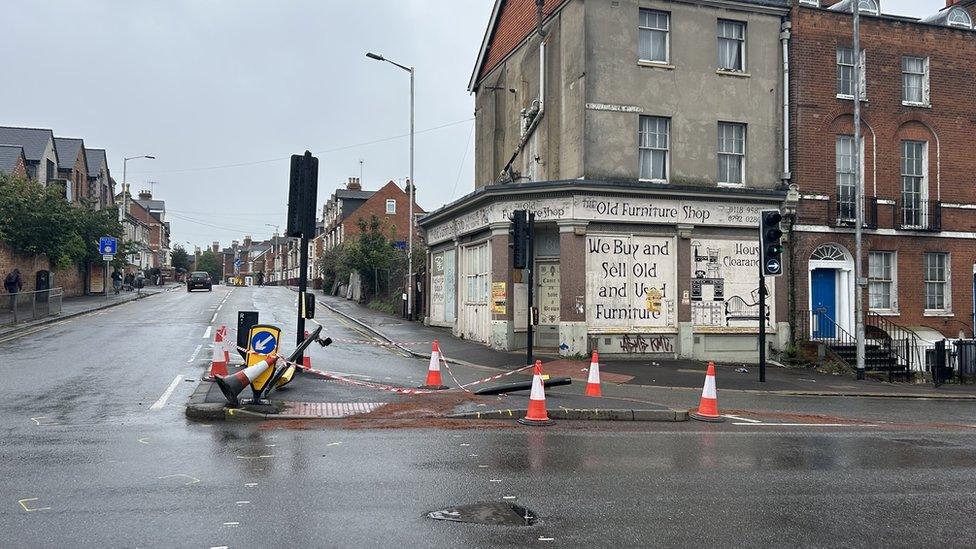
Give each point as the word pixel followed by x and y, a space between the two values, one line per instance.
pixel 770 243
pixel 520 238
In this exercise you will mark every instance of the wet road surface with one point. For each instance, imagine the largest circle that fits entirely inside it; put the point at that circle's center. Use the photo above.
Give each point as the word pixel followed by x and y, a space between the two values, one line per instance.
pixel 91 454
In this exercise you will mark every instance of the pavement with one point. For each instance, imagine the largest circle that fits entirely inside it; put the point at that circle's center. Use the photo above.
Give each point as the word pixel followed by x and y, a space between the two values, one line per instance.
pixel 96 450
pixel 75 306
pixel 415 338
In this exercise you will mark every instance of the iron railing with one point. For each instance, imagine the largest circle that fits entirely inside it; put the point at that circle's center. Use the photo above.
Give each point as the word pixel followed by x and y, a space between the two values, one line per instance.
pixel 918 215
pixel 26 306
pixel 843 213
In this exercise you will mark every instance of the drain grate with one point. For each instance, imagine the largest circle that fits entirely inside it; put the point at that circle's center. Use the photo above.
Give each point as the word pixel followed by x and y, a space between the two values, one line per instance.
pixel 491 512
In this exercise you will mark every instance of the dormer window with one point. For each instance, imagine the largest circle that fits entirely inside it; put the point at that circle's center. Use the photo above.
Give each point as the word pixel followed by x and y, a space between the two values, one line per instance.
pixel 868 6
pixel 959 17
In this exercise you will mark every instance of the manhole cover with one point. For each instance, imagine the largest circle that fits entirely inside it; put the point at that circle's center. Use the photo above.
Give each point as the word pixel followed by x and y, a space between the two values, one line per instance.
pixel 495 512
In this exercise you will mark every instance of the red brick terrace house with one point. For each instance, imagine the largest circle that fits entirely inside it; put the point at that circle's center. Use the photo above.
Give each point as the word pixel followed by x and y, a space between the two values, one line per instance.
pixel 73 168
pixel 918 105
pixel 12 161
pixel 390 204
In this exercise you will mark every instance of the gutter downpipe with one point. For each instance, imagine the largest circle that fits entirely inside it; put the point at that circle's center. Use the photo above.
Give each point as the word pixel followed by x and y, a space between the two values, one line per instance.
pixel 507 170
pixel 784 37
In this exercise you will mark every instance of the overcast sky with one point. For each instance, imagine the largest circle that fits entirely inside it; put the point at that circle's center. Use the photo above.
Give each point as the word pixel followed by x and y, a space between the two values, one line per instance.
pixel 206 86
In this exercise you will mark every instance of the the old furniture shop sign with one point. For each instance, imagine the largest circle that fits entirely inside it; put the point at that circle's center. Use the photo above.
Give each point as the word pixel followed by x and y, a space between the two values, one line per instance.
pixel 664 211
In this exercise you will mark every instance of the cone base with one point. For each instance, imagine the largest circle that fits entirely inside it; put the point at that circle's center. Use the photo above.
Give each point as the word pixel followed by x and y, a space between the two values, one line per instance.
pixel 536 422
pixel 594 391
pixel 434 387
pixel 229 393
pixel 709 419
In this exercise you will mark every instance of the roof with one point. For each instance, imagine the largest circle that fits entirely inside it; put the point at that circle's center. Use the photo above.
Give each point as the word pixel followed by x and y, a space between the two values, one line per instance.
pixel 151 205
pixel 33 140
pixel 353 194
pixel 8 157
pixel 68 149
pixel 96 161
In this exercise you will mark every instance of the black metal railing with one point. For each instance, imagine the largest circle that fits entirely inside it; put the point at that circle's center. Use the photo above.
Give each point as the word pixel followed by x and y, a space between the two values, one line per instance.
pixel 918 215
pixel 843 213
pixel 901 343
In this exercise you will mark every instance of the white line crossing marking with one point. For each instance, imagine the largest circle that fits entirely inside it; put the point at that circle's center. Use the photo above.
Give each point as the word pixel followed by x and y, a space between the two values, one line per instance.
pixel 807 424
pixel 158 405
pixel 730 416
pixel 195 353
pixel 206 334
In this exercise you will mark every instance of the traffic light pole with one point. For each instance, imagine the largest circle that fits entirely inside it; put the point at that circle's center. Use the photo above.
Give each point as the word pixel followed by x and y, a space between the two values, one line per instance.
pixel 762 324
pixel 530 268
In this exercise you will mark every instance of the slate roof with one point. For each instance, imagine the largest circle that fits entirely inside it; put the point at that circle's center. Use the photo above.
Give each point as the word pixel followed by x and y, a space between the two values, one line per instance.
pixel 8 157
pixel 96 161
pixel 68 149
pixel 33 140
pixel 354 194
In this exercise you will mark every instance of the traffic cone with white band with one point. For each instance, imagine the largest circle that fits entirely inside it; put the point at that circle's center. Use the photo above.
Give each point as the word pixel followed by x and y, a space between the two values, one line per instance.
pixel 708 405
pixel 232 385
pixel 593 381
pixel 218 360
pixel 222 338
pixel 536 414
pixel 434 369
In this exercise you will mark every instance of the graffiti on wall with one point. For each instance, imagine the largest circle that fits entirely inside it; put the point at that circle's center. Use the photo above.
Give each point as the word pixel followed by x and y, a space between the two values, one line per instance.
pixel 640 344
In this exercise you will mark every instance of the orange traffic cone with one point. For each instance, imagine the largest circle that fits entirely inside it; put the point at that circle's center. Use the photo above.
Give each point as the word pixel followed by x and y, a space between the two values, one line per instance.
pixel 536 414
pixel 218 362
pixel 434 370
pixel 593 381
pixel 708 405
pixel 232 385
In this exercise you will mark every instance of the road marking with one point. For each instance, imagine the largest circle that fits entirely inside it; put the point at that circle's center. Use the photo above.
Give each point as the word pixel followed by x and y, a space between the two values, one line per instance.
pixel 35 419
pixel 256 457
pixel 143 440
pixel 250 484
pixel 334 443
pixel 232 524
pixel 206 334
pixel 158 405
pixel 220 306
pixel 808 424
pixel 212 320
pixel 195 352
pixel 193 480
pixel 23 503
pixel 730 416
pixel 546 539
pixel 242 502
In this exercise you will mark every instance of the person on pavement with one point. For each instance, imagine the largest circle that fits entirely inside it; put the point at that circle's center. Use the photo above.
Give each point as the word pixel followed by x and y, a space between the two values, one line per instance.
pixel 140 281
pixel 116 280
pixel 128 281
pixel 13 284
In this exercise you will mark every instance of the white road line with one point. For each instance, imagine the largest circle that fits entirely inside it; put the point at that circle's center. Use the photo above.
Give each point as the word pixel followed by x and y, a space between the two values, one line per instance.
pixel 158 405
pixel 212 320
pixel 195 353
pixel 219 306
pixel 206 334
pixel 807 424
pixel 730 416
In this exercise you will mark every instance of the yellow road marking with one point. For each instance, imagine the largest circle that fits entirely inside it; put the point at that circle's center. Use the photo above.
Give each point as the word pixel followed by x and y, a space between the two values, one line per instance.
pixel 23 503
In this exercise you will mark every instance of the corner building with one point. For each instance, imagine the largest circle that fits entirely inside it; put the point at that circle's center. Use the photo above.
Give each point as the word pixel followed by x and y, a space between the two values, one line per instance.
pixel 917 105
pixel 646 136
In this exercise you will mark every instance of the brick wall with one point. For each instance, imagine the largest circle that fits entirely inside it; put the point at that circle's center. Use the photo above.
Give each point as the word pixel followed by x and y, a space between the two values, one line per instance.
pixel 394 225
pixel 70 279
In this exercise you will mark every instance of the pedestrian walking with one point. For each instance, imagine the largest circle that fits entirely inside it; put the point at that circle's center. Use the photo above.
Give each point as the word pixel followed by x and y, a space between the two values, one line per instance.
pixel 140 281
pixel 13 284
pixel 117 281
pixel 128 281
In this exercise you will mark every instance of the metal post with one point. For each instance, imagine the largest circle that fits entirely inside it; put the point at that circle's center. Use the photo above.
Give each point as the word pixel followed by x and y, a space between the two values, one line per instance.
pixel 762 325
pixel 858 199
pixel 302 287
pixel 530 269
pixel 122 210
pixel 105 279
pixel 410 222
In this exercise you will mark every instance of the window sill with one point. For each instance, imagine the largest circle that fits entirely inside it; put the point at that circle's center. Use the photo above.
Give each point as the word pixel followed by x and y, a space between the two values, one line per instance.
pixel 864 99
pixel 660 181
pixel 731 185
pixel 885 312
pixel 738 74
pixel 916 105
pixel 929 312
pixel 654 64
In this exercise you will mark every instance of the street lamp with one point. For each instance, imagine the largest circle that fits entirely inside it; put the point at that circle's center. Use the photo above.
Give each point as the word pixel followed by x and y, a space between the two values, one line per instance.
pixel 125 162
pixel 413 183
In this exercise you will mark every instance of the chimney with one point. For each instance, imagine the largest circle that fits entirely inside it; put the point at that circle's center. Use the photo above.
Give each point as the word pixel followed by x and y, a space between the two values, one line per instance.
pixel 215 246
pixel 235 243
pixel 247 241
pixel 353 184
pixel 145 195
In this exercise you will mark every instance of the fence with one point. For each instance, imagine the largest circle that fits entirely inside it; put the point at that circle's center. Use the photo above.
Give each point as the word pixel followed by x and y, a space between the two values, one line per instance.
pixel 26 306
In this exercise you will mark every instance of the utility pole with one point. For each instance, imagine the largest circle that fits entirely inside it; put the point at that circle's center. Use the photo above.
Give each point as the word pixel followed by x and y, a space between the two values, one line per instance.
pixel 859 281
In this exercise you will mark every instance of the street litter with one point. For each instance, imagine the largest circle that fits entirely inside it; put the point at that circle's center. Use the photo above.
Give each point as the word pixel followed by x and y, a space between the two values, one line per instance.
pixel 742 370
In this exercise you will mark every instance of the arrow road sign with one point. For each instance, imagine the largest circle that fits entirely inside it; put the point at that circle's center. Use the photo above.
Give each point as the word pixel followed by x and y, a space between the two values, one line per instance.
pixel 263 342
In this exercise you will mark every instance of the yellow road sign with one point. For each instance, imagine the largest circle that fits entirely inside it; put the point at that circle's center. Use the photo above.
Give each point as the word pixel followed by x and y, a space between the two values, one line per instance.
pixel 262 340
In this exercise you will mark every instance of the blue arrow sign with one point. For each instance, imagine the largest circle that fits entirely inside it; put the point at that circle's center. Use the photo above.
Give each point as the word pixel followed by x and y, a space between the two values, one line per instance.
pixel 108 245
pixel 237 262
pixel 263 342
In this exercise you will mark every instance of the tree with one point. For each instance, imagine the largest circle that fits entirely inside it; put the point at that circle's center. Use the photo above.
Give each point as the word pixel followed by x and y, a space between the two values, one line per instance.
pixel 208 262
pixel 180 258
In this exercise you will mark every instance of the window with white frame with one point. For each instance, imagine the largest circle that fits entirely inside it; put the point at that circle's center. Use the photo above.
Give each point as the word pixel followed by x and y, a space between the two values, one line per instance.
pixel 958 17
pixel 914 184
pixel 915 80
pixel 846 182
pixel 731 153
pixel 476 274
pixel 882 287
pixel 654 36
pixel 869 7
pixel 390 206
pixel 936 281
pixel 654 147
pixel 815 3
pixel 845 74
pixel 731 45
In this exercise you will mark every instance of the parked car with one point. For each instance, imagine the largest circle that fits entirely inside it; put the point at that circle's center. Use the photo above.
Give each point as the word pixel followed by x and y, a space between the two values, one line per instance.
pixel 199 279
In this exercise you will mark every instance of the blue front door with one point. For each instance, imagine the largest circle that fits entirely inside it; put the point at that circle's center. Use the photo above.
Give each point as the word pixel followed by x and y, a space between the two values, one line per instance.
pixel 823 283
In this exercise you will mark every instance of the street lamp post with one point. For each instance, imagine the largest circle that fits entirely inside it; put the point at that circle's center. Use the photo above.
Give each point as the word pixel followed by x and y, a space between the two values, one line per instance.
pixel 125 162
pixel 413 183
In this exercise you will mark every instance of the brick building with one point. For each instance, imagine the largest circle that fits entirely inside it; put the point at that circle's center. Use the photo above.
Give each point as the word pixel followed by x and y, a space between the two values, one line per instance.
pixel 346 207
pixel 12 161
pixel 39 150
pixel 919 245
pixel 73 168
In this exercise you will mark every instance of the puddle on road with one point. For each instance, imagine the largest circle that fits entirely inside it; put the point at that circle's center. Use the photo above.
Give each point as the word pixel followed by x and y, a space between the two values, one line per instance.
pixel 492 512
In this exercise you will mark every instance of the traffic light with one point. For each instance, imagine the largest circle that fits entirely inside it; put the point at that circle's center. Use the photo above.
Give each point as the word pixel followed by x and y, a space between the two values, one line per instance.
pixel 771 243
pixel 520 239
pixel 303 182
